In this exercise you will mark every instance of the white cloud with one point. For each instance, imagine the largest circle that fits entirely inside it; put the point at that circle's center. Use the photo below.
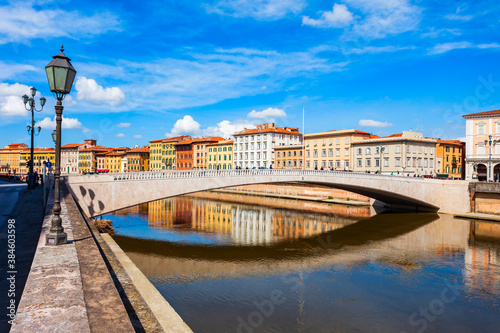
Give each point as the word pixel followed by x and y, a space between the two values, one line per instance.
pixel 374 18
pixel 137 136
pixel 434 33
pixel 339 17
pixel 269 113
pixel 122 125
pixel 378 49
pixel 11 104
pixel 22 23
pixel 258 9
pixel 89 90
pixel 67 123
pixel 120 135
pixel 225 128
pixel 11 70
pixel 186 126
pixel 445 47
pixel 455 17
pixel 373 123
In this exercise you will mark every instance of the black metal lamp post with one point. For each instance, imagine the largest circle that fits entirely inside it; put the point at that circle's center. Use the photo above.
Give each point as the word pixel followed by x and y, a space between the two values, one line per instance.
pixel 490 143
pixel 29 104
pixel 60 74
pixel 382 148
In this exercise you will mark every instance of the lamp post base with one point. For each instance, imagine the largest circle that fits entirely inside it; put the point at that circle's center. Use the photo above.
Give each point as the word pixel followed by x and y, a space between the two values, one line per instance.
pixel 58 238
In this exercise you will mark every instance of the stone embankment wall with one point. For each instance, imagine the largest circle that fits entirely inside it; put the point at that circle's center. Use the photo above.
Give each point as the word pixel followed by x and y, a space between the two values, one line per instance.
pixel 322 192
pixel 485 198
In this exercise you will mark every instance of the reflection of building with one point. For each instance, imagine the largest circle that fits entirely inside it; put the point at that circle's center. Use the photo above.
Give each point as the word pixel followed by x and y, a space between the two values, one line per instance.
pixel 299 225
pixel 483 258
pixel 252 226
pixel 161 212
pixel 478 127
pixel 216 218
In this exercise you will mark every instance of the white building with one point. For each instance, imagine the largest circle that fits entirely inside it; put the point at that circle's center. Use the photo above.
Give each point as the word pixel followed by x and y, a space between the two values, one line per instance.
pixel 254 148
pixel 69 155
pixel 407 153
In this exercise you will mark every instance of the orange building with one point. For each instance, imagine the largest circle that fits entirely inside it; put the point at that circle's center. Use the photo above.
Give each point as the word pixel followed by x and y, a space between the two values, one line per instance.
pixel 450 159
pixel 138 159
pixel 289 157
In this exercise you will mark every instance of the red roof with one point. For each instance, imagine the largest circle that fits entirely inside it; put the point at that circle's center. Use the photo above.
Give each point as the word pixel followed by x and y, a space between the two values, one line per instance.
pixel 177 138
pixel 138 150
pixel 283 130
pixel 486 113
pixel 96 148
pixel 72 145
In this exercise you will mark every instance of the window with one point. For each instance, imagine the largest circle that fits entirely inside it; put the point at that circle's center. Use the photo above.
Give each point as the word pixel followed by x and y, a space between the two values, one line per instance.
pixel 377 150
pixel 346 164
pixel 359 151
pixel 278 154
pixel 480 148
pixel 324 142
pixel 447 169
pixel 251 146
pixel 368 151
pixel 459 169
pixel 337 141
pixel 337 152
pixel 346 152
pixel 398 149
pixel 315 153
pixel 307 143
pixel 398 162
pixel 498 130
pixel 323 153
pixel 359 162
pixel 330 152
pixel 308 153
pixel 480 128
pixel 368 162
pixel 377 162
pixel 386 161
pixel 346 141
pixel 265 145
pixel 315 143
pixel 330 142
pixel 447 149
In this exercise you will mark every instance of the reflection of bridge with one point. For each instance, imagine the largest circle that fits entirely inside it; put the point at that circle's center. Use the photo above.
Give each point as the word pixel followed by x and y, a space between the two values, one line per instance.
pixel 100 194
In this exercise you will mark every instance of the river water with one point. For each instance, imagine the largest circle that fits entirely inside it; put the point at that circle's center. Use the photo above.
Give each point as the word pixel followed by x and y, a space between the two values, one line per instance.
pixel 236 263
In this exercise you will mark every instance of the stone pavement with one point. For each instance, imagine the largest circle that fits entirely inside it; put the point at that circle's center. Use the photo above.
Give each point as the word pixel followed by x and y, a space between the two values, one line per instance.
pixel 69 288
pixel 25 207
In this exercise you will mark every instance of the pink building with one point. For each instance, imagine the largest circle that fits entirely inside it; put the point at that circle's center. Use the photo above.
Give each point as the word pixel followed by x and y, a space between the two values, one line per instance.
pixel 479 127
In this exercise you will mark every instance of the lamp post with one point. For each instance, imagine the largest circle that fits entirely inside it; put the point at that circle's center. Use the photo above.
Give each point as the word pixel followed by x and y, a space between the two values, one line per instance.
pixel 60 74
pixel 490 143
pixel 382 148
pixel 29 104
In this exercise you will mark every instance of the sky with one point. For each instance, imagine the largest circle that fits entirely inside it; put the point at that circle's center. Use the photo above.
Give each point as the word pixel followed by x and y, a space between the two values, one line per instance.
pixel 153 69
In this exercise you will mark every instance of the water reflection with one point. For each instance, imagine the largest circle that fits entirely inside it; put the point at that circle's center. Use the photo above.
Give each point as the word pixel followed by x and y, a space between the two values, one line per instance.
pixel 215 260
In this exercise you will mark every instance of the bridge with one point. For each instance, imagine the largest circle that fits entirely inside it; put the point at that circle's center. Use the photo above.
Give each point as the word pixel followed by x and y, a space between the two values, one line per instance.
pixel 105 193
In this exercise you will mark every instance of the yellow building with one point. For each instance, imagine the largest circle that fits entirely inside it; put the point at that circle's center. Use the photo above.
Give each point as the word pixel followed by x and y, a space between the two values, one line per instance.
pixel 138 159
pixel 88 159
pixel 161 213
pixel 218 218
pixel 114 161
pixel 332 149
pixel 450 159
pixel 220 155
pixel 288 157
pixel 10 158
pixel 40 155
pixel 162 153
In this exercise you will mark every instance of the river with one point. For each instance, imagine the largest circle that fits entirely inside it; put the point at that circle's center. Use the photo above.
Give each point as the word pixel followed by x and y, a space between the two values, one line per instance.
pixel 241 265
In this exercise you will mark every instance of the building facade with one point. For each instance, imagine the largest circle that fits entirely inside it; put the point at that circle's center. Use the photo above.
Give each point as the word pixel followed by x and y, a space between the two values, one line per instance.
pixel 184 154
pixel 254 148
pixel 10 158
pixel 332 149
pixel 449 159
pixel 220 155
pixel 88 158
pixel 200 151
pixel 138 159
pixel 162 154
pixel 289 157
pixel 70 155
pixel 478 129
pixel 407 153
pixel 40 155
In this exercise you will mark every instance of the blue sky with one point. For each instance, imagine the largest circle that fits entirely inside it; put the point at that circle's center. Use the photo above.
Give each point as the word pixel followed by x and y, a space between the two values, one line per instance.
pixel 150 69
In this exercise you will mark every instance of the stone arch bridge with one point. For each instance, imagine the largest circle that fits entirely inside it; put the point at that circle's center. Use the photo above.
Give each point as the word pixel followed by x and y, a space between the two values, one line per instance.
pixel 104 193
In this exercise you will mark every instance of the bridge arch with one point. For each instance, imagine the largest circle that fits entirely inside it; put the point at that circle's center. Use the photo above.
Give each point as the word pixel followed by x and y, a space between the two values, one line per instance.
pixel 101 194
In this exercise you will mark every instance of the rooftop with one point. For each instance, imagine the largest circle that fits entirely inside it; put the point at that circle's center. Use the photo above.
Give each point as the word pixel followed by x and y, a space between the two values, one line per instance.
pixel 481 114
pixel 336 132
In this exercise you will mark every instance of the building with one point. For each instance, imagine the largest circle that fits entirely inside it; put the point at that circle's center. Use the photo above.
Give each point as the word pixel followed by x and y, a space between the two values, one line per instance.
pixel 478 129
pixel 289 157
pixel 332 149
pixel 88 158
pixel 114 160
pixel 184 154
pixel 200 151
pixel 254 148
pixel 10 158
pixel 220 155
pixel 449 159
pixel 138 159
pixel 70 155
pixel 162 153
pixel 40 155
pixel 407 153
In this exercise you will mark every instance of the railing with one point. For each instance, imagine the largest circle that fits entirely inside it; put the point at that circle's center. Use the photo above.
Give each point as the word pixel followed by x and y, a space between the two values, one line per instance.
pixel 151 175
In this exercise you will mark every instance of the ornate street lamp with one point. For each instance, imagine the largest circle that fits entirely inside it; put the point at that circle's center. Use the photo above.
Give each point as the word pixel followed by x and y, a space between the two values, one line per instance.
pixel 490 143
pixel 382 148
pixel 60 74
pixel 29 104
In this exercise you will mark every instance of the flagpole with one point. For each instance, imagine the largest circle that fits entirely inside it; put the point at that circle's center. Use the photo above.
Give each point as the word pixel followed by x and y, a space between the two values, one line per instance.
pixel 303 141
